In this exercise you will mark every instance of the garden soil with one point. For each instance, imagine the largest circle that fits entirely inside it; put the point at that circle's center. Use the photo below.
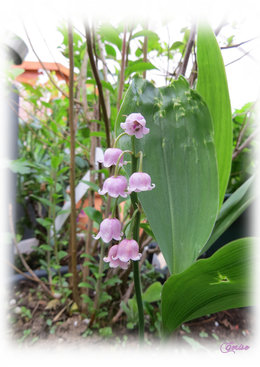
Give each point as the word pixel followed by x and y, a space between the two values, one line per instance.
pixel 49 322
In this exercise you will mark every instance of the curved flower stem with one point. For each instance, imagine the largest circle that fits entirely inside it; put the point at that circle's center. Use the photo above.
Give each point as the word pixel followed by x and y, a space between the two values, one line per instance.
pixel 137 282
pixel 119 136
pixel 131 221
pixel 118 161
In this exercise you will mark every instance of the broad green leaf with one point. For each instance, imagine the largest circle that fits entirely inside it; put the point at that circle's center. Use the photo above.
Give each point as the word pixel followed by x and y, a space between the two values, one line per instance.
pixel 138 67
pixel 212 86
pixel 232 208
pixel 210 285
pixel 179 155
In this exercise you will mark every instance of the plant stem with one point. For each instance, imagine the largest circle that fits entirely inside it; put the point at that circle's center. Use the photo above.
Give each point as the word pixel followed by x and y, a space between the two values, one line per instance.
pixel 119 136
pixel 137 282
pixel 99 85
pixel 122 71
pixel 99 282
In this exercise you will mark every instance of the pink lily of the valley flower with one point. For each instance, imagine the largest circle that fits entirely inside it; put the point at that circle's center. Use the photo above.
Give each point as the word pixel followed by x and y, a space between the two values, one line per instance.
pixel 114 263
pixel 140 181
pixel 110 228
pixel 127 250
pixel 115 186
pixel 135 125
pixel 111 156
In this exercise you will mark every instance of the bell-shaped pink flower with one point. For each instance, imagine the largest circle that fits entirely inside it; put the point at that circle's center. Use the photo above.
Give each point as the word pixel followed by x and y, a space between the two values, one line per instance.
pixel 114 263
pixel 135 125
pixel 115 186
pixel 110 228
pixel 111 156
pixel 127 250
pixel 140 181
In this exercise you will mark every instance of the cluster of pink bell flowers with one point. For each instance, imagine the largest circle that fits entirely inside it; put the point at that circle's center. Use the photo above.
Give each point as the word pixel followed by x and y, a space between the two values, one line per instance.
pixel 111 228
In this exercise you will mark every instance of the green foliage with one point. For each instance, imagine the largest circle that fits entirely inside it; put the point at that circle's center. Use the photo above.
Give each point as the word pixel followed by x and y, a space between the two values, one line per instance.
pixel 244 165
pixel 151 296
pixel 212 86
pixel 232 208
pixel 179 154
pixel 218 283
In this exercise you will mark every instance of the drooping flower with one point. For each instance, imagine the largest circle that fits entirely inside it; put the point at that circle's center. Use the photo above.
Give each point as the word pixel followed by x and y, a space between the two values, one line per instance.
pixel 135 125
pixel 127 250
pixel 140 181
pixel 114 263
pixel 115 186
pixel 110 228
pixel 111 156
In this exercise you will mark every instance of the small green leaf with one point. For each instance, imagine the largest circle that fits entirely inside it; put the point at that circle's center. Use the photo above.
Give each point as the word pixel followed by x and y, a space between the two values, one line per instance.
pixel 110 50
pixel 138 67
pixel 94 214
pixel 45 222
pixel 101 134
pixel 109 34
pixel 153 292
pixel 176 45
pixel 62 254
pixel 86 299
pixel 106 331
pixel 85 285
pixel 203 334
pixel 193 343
pixel 56 161
pixel 44 201
pixel 92 185
pixel 46 247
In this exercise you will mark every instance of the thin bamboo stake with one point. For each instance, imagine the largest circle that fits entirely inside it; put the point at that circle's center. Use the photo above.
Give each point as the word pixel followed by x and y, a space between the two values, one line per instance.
pixel 73 224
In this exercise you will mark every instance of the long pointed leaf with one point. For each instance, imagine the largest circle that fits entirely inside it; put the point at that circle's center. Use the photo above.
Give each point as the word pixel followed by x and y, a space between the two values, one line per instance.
pixel 232 208
pixel 212 86
pixel 210 285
